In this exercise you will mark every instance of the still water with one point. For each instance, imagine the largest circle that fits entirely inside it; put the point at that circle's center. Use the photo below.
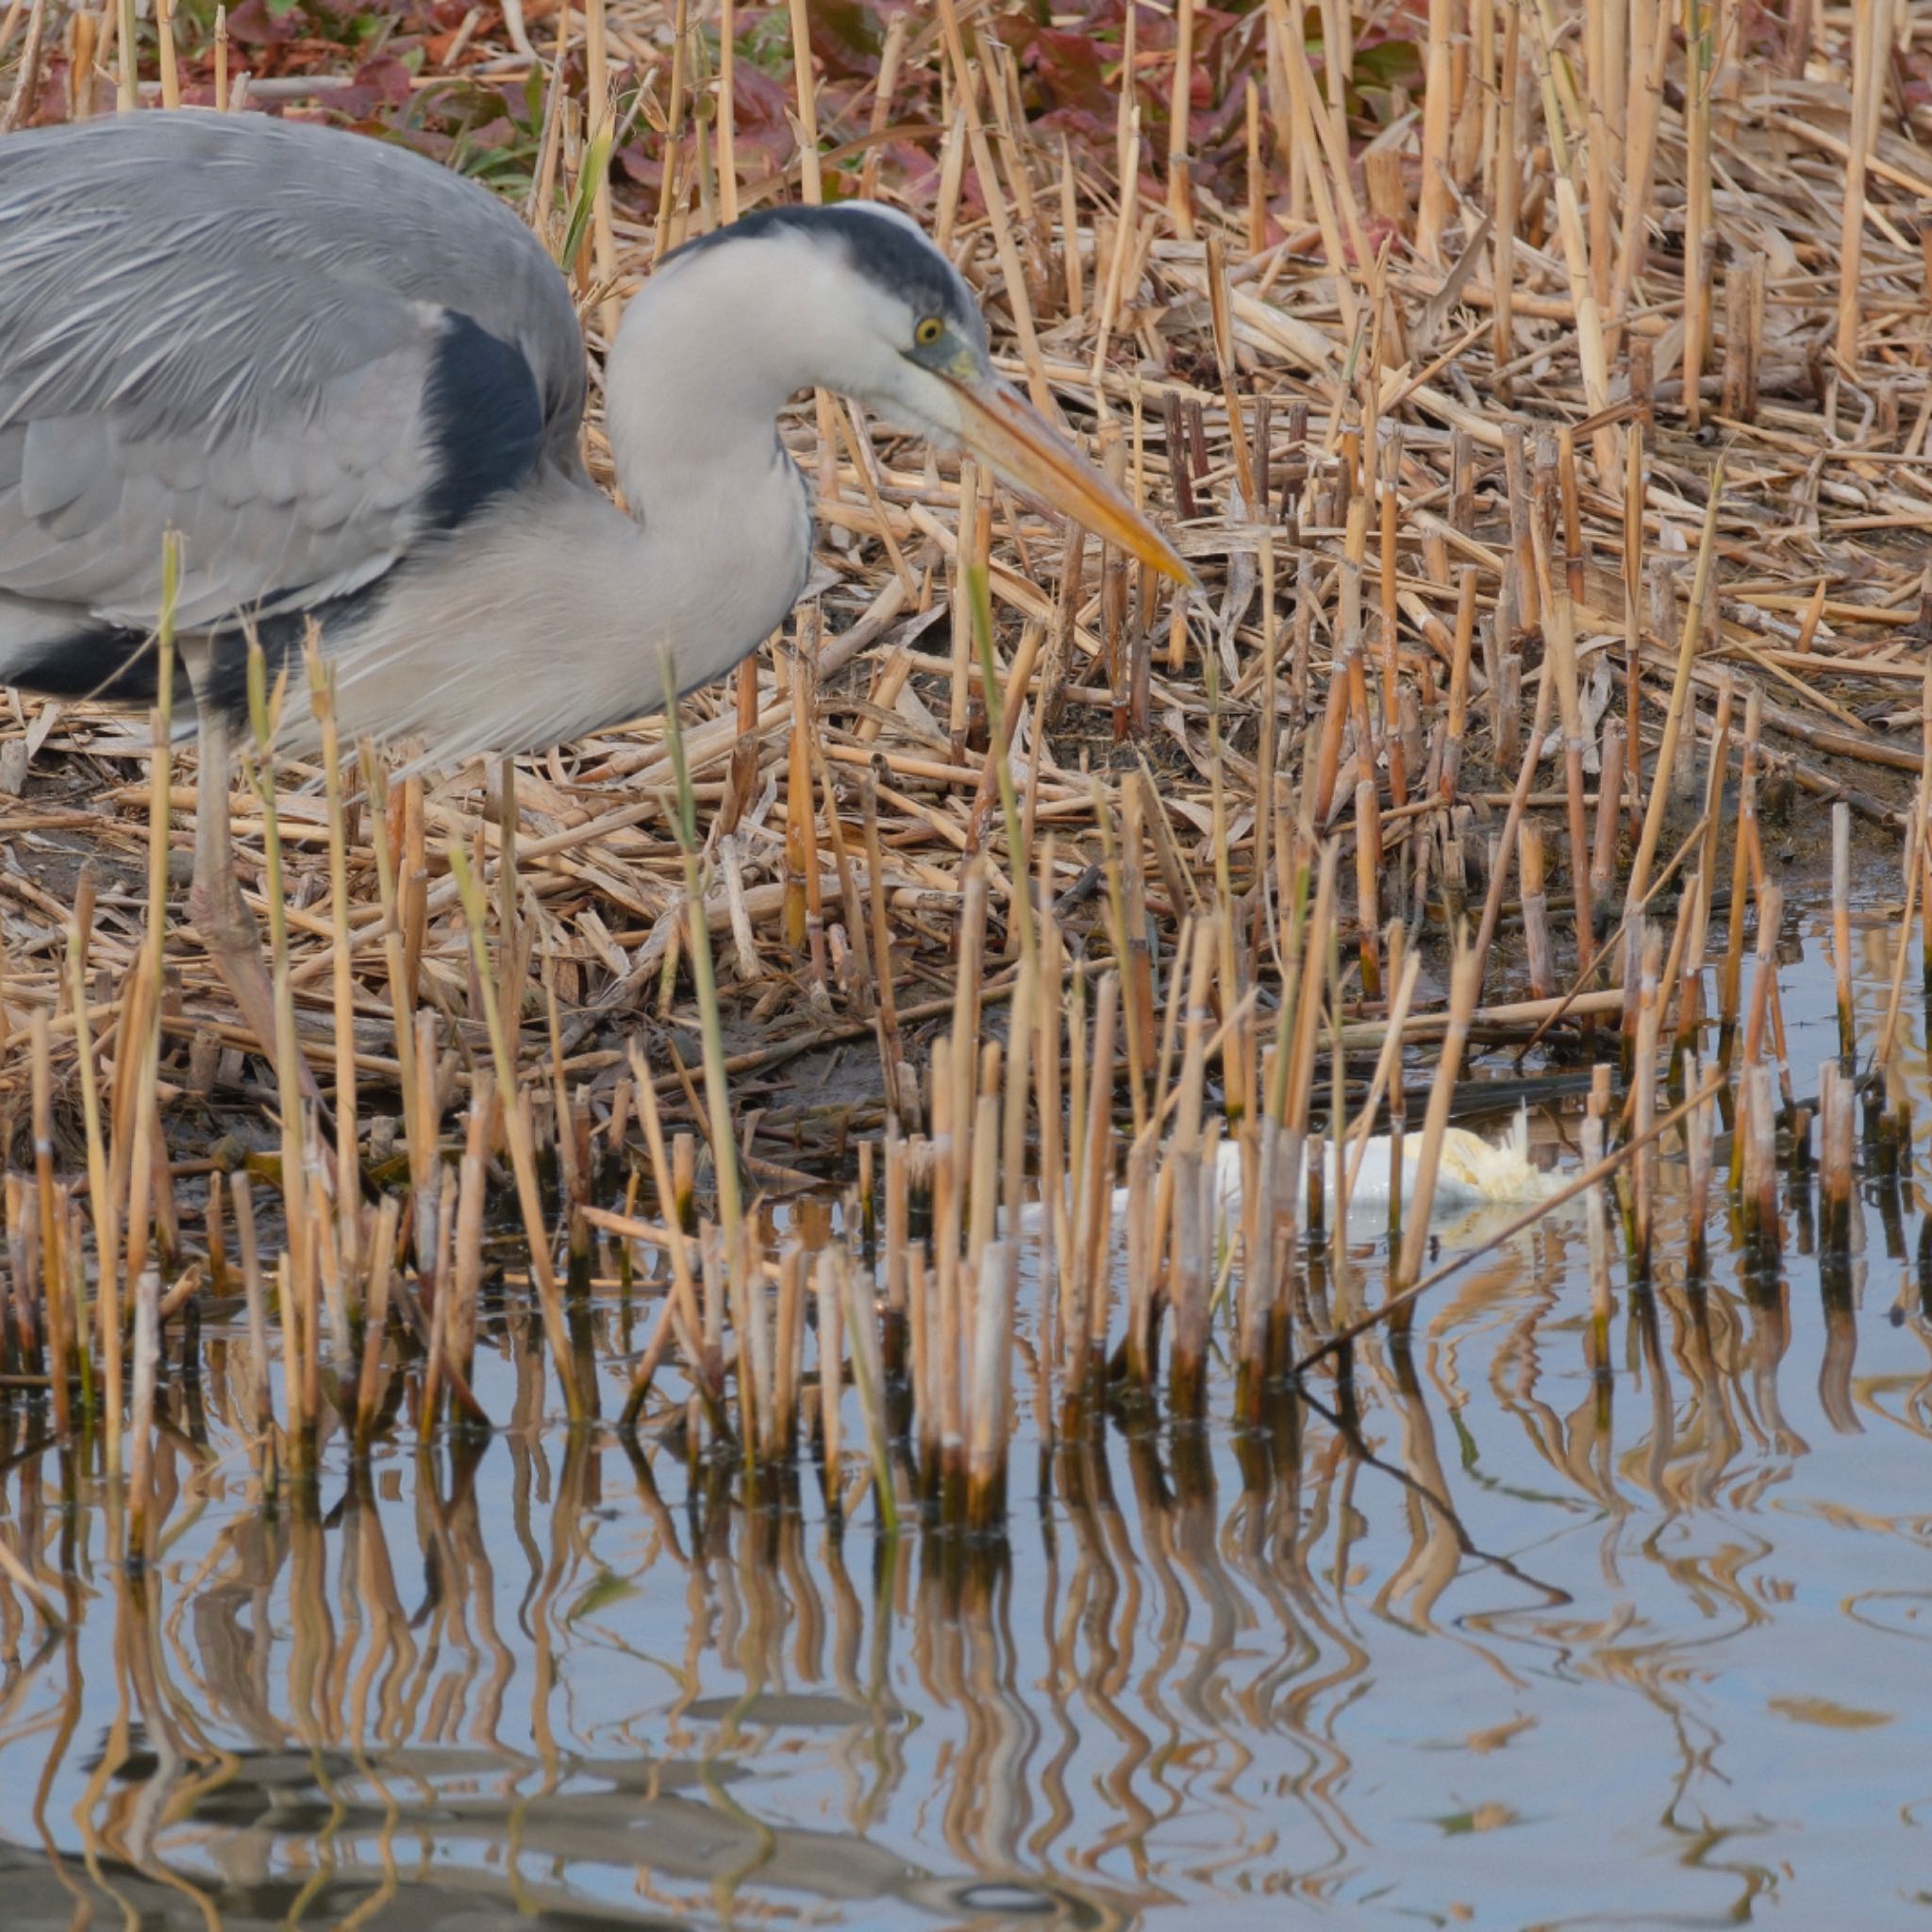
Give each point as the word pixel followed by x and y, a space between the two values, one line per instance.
pixel 1519 1648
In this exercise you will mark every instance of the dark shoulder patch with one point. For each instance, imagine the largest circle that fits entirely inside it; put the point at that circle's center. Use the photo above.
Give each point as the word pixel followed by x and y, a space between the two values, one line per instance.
pixel 484 416
pixel 224 677
pixel 897 257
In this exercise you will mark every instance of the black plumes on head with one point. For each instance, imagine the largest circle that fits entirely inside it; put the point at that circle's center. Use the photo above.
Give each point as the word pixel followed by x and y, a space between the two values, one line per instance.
pixel 879 245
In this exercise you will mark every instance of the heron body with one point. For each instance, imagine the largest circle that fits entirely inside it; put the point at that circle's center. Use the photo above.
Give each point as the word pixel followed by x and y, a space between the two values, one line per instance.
pixel 352 385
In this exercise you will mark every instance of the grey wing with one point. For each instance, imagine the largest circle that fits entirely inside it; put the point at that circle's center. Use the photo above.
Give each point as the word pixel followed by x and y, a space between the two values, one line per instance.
pixel 299 349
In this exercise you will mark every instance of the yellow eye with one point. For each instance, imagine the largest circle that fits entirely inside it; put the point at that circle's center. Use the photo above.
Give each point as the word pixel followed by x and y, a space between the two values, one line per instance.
pixel 929 330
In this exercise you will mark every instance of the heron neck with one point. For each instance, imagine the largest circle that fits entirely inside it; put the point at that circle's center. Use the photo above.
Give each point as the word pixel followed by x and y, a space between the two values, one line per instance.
pixel 549 615
pixel 711 350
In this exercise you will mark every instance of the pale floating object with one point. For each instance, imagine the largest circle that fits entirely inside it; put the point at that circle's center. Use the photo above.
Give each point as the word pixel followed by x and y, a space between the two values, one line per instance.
pixel 1471 1172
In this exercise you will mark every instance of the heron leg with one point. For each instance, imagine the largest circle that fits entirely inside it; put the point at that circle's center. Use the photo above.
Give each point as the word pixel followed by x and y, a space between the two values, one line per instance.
pixel 215 904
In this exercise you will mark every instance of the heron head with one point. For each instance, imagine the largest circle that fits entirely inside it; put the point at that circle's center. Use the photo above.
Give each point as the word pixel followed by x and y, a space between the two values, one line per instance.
pixel 876 312
pixel 927 366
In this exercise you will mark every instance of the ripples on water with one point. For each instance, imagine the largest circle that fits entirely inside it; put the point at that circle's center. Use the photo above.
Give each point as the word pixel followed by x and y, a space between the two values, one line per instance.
pixel 1512 1648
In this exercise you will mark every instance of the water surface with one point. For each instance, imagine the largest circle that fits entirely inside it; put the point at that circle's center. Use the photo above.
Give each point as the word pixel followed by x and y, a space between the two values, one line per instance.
pixel 1515 1645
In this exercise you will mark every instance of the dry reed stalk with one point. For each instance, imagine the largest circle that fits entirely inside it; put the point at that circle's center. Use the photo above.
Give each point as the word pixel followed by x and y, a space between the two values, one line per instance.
pixel 891 57
pixel 1180 207
pixel 1141 1268
pixel 1596 1223
pixel 983 1197
pixel 921 1302
pixel 1644 1099
pixel 960 693
pixel 1519 798
pixel 1264 1338
pixel 991 1406
pixel 1456 722
pixel 965 1035
pixel 725 99
pixel 301 1255
pixel 901 1103
pixel 1842 929
pixel 1602 855
pixel 436 1344
pixel 1433 206
pixel 1195 1190
pixel 1699 237
pixel 1011 268
pixel 1305 145
pixel 1353 1136
pixel 102 1205
pixel 1757 1169
pixel 831 1376
pixel 1536 927
pixel 1914 872
pixel 375 1322
pixel 1835 1157
pixel 1465 983
pixel 516 1127
pixel 343 991
pixel 50 1218
pixel 167 54
pixel 1334 1168
pixel 1055 1226
pixel 1870 33
pixel 1680 693
pixel 261 1410
pixel 1770 902
pixel 1506 192
pixel 948 1106
pixel 143 1528
pixel 1700 1135
pixel 599 137
pixel 1092 1153
pixel 868 1378
pixel 1559 635
pixel 1127 919
pixel 466 1280
pixel 1744 839
pixel 1295 1041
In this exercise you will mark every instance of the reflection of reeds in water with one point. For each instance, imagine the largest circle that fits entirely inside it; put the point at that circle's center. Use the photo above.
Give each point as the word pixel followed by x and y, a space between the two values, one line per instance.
pixel 551 1655
pixel 290 1695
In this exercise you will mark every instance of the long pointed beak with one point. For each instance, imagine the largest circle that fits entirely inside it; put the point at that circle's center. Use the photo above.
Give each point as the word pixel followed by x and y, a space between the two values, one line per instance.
pixel 1004 431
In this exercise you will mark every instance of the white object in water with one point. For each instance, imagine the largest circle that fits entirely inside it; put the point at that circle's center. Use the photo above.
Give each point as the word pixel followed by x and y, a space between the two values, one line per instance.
pixel 1471 1171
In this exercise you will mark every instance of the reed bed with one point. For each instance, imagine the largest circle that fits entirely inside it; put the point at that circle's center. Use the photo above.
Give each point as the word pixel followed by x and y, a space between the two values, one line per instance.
pixel 893 1017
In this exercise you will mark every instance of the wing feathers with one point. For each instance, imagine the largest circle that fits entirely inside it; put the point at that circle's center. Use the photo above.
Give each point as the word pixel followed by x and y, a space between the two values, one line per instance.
pixel 300 350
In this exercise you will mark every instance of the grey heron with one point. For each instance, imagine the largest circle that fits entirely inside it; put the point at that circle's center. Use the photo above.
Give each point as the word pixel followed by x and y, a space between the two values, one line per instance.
pixel 352 382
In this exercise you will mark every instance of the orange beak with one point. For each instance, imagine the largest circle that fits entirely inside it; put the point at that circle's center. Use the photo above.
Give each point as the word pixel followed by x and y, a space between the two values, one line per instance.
pixel 1008 434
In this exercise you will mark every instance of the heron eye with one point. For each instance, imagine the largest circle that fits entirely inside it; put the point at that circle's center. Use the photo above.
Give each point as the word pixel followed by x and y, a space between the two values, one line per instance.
pixel 929 330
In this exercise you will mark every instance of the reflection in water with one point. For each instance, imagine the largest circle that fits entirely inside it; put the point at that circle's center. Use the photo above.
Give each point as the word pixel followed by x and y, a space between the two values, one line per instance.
pixel 1482 1629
